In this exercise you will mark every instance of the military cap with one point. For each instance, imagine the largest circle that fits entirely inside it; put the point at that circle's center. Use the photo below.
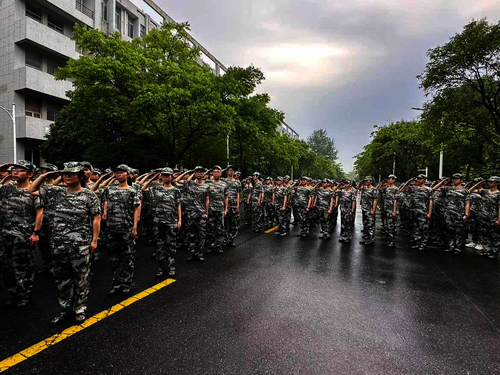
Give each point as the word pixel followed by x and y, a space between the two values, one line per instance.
pixel 86 164
pixel 134 171
pixel 476 180
pixel 444 178
pixel 325 181
pixel 167 170
pixel 98 171
pixel 199 168
pixel 175 170
pixel 392 176
pixel 123 167
pixel 108 170
pixel 269 178
pixel 422 177
pixel 494 179
pixel 49 167
pixel 309 179
pixel 286 177
pixel 279 178
pixel 457 175
pixel 217 167
pixel 72 167
pixel 368 178
pixel 237 173
pixel 25 164
pixel 256 174
pixel 229 167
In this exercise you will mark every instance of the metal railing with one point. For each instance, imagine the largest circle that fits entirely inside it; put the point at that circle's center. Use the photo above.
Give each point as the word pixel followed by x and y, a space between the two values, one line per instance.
pixel 85 10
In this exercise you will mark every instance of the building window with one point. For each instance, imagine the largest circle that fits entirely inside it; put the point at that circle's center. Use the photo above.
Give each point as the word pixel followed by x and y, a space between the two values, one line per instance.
pixel 104 11
pixel 52 111
pixel 118 20
pixel 143 30
pixel 130 29
pixel 34 14
pixel 52 68
pixel 56 25
pixel 33 60
pixel 33 107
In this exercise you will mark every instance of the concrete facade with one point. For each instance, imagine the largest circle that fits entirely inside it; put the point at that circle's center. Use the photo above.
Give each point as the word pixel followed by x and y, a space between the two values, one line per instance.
pixel 35 39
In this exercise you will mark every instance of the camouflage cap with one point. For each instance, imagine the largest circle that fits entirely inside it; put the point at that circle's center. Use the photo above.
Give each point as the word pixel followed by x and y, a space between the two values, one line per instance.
pixel 237 173
pixel 123 167
pixel 49 167
pixel 422 177
pixel 167 171
pixel 457 175
pixel 199 168
pixel 98 171
pixel 229 167
pixel 494 179
pixel 108 170
pixel 476 180
pixel 286 177
pixel 391 176
pixel 269 178
pixel 309 179
pixel 86 164
pixel 134 171
pixel 72 167
pixel 369 178
pixel 256 174
pixel 217 167
pixel 279 178
pixel 25 164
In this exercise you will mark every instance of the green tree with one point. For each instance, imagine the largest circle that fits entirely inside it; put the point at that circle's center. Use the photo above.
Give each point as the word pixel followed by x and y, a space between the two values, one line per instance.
pixel 323 145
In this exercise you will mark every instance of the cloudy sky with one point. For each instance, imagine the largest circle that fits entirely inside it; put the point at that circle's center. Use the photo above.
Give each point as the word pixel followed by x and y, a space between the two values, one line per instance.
pixel 340 65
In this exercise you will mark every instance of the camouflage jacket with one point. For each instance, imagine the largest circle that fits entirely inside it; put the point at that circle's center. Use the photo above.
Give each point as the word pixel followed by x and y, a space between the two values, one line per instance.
pixel 301 196
pixel 17 211
pixel 247 191
pixel 346 198
pixel 217 195
pixel 490 204
pixel 368 196
pixel 475 203
pixel 388 196
pixel 323 198
pixel 165 204
pixel 195 197
pixel 455 200
pixel 121 208
pixel 73 214
pixel 420 199
pixel 268 194
pixel 257 190
pixel 233 189
pixel 279 196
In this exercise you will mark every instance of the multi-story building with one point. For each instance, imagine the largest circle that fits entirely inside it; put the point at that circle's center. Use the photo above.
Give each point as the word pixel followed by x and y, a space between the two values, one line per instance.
pixel 284 128
pixel 35 39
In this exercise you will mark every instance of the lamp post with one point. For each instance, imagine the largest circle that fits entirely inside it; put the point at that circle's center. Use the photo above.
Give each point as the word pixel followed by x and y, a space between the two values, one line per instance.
pixel 13 118
pixel 441 153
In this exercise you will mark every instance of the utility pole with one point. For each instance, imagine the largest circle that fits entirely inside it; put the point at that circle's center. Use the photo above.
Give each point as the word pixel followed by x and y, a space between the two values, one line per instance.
pixel 13 118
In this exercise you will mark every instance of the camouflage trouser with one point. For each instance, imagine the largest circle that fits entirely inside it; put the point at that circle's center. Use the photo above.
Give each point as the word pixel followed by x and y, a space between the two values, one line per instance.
pixel 248 213
pixel 439 227
pixel 72 274
pixel 384 216
pixel 368 227
pixel 232 224
pixel 288 212
pixel 324 220
pixel 332 220
pixel 296 215
pixel 490 236
pixel 473 227
pixel 215 229
pixel 17 258
pixel 282 220
pixel 121 258
pixel 257 217
pixel 196 232
pixel 147 218
pixel 390 228
pixel 454 230
pixel 44 246
pixel 166 245
pixel 346 225
pixel 268 209
pixel 305 220
pixel 421 229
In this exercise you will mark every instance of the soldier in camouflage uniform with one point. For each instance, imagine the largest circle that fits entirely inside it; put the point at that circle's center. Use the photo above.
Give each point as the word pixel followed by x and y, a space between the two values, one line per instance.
pixel 267 203
pixel 232 219
pixel 122 205
pixel 21 216
pixel 457 211
pixel 490 216
pixel 473 225
pixel 301 200
pixel 332 219
pixel 257 197
pixel 324 204
pixel 288 211
pixel 346 200
pixel 167 218
pixel 247 194
pixel 280 196
pixel 390 194
pixel 217 210
pixel 422 203
pixel 76 225
pixel 369 201
pixel 197 205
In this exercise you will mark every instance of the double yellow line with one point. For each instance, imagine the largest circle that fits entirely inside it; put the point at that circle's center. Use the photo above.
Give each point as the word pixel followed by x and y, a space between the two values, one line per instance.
pixel 47 343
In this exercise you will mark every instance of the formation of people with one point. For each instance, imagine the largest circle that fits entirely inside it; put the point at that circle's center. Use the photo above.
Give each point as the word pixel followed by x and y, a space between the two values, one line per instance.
pixel 74 214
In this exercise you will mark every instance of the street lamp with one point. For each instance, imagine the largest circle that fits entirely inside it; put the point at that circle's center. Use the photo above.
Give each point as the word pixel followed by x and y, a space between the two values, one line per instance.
pixel 13 118
pixel 441 153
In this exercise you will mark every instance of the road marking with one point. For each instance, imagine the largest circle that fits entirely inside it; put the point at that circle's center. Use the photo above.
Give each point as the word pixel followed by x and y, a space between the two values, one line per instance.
pixel 272 229
pixel 432 247
pixel 47 343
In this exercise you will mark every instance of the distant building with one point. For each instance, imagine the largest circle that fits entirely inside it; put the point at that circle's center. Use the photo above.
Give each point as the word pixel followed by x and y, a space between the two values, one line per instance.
pixel 285 129
pixel 35 41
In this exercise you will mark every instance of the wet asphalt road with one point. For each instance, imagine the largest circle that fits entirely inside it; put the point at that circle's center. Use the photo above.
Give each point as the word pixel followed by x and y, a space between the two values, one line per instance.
pixel 279 305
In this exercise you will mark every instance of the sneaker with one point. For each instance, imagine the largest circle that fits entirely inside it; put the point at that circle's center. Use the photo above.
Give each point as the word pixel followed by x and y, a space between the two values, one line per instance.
pixel 60 318
pixel 114 290
pixel 491 256
pixel 171 273
pixel 471 244
pixel 23 302
pixel 479 247
pixel 283 234
pixel 189 258
pixel 448 250
pixel 220 251
pixel 126 291
pixel 457 252
pixel 201 258
pixel 160 272
pixel 80 318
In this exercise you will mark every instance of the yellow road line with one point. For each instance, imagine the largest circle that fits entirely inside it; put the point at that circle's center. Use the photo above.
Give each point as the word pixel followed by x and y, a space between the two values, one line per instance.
pixel 47 343
pixel 272 229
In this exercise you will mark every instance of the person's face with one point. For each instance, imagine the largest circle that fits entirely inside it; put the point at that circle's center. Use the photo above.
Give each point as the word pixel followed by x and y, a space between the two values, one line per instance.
pixel 87 171
pixel 255 178
pixel 121 176
pixel 20 174
pixel 177 174
pixel 420 181
pixel 456 181
pixel 94 177
pixel 216 173
pixel 230 172
pixel 199 174
pixel 166 178
pixel 71 178
pixel 391 181
pixel 4 174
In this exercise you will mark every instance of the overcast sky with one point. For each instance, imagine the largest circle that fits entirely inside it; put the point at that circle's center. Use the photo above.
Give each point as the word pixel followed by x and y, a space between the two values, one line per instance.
pixel 340 65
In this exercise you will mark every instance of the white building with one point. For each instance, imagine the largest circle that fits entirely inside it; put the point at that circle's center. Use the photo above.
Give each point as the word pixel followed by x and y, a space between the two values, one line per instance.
pixel 35 41
pixel 285 129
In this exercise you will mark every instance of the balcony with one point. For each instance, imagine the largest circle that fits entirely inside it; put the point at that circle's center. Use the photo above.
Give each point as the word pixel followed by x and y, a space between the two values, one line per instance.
pixel 28 78
pixel 29 30
pixel 31 127
pixel 80 6
pixel 70 7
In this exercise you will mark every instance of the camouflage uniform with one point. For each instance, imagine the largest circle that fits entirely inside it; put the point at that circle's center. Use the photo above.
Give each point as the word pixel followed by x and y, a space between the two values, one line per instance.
pixel 390 195
pixel 165 203
pixel 490 233
pixel 196 226
pixel 46 234
pixel 368 196
pixel 247 191
pixel 454 208
pixel 473 225
pixel 420 198
pixel 215 224
pixel 232 219
pixel 280 193
pixel 71 238
pixel 301 199
pixel 346 224
pixel 383 213
pixel 267 206
pixel 120 221
pixel 405 211
pixel 323 200
pixel 17 214
pixel 437 223
pixel 257 211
